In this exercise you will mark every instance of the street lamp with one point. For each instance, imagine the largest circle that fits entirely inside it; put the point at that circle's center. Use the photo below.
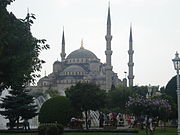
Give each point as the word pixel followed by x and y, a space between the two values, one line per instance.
pixel 149 91
pixel 176 62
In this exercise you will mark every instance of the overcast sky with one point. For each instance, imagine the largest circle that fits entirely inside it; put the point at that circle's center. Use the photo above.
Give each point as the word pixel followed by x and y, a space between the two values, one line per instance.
pixel 155 25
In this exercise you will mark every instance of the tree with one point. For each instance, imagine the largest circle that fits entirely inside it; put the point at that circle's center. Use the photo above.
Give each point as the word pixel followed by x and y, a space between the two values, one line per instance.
pixel 171 88
pixel 57 109
pixel 85 97
pixel 118 98
pixel 140 91
pixel 19 105
pixel 19 50
pixel 19 61
pixel 169 99
pixel 150 108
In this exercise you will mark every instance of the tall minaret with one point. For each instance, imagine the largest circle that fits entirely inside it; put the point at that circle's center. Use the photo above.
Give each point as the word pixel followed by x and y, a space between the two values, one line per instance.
pixel 108 52
pixel 130 64
pixel 63 54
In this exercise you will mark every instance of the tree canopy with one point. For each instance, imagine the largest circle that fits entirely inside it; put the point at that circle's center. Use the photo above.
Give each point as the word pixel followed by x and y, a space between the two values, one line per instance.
pixel 86 96
pixel 57 109
pixel 19 105
pixel 19 61
pixel 117 99
pixel 171 88
pixel 19 50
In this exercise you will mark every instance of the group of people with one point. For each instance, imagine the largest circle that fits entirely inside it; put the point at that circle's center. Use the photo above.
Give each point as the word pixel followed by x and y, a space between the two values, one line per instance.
pixel 111 119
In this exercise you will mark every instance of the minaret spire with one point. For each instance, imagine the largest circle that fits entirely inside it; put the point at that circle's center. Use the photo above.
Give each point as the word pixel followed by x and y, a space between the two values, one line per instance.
pixel 109 16
pixel 130 63
pixel 63 54
pixel 108 52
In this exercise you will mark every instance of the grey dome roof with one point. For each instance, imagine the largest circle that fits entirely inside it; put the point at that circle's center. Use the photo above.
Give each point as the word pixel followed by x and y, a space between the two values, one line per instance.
pixel 57 62
pixel 74 68
pixel 81 53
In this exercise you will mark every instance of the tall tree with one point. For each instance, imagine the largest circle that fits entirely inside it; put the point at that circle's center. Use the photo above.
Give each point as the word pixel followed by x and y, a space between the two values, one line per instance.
pixel 19 61
pixel 117 99
pixel 140 91
pixel 86 96
pixel 19 50
pixel 171 88
pixel 19 105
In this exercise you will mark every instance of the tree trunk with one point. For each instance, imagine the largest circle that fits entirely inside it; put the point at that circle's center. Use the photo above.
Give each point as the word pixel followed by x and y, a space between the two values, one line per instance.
pixel 18 123
pixel 86 119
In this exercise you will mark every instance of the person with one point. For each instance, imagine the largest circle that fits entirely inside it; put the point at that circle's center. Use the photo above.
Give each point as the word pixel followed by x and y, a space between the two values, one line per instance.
pixel 26 125
pixel 129 121
pixel 101 119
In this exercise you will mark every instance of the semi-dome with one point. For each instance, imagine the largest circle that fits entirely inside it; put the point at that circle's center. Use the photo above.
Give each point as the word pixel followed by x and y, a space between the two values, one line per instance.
pixel 81 53
pixel 74 68
pixel 57 62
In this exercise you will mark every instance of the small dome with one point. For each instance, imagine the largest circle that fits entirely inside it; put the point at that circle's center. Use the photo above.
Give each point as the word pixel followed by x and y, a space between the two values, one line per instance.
pixel 74 68
pixel 81 53
pixel 57 62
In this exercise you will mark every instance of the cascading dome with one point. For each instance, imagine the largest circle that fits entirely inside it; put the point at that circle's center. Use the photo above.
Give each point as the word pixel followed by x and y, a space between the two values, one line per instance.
pixel 81 53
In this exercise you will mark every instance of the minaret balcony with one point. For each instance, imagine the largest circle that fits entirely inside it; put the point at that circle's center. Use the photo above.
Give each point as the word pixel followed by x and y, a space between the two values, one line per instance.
pixel 130 64
pixel 131 52
pixel 108 52
pixel 108 37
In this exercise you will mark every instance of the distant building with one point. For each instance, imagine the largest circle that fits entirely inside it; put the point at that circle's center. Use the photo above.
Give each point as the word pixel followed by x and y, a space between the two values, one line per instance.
pixel 83 65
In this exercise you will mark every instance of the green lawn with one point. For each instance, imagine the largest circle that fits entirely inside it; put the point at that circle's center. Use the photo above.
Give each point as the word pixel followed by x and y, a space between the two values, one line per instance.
pixel 169 131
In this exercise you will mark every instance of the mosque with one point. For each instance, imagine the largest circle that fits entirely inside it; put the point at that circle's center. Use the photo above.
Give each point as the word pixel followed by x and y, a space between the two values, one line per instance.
pixel 82 65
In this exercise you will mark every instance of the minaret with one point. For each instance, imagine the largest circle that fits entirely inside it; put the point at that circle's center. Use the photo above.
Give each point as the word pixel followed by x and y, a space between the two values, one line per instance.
pixel 130 64
pixel 108 52
pixel 63 54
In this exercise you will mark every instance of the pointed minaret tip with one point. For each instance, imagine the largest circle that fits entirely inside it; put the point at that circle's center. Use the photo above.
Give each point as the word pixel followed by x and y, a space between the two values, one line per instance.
pixel 82 47
pixel 130 36
pixel 109 16
pixel 63 40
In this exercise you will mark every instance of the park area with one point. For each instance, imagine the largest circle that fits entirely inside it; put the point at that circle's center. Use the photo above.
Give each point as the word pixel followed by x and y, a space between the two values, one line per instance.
pixel 169 131
pixel 82 95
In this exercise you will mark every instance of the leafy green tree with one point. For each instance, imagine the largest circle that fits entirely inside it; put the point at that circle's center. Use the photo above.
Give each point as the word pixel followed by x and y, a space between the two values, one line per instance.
pixel 117 99
pixel 171 88
pixel 19 105
pixel 57 109
pixel 19 61
pixel 19 50
pixel 85 97
pixel 140 91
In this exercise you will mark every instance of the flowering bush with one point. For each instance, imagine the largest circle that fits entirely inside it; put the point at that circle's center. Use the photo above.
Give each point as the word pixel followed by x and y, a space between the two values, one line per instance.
pixel 151 107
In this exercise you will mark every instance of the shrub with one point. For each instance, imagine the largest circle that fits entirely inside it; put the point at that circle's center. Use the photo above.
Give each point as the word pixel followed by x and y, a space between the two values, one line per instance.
pixel 56 110
pixel 50 129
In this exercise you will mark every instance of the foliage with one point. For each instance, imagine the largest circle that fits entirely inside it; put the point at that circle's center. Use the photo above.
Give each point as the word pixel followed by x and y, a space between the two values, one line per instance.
pixel 57 109
pixel 171 88
pixel 140 91
pixel 169 99
pixel 149 110
pixel 19 50
pixel 50 129
pixel 19 105
pixel 86 96
pixel 117 99
pixel 151 107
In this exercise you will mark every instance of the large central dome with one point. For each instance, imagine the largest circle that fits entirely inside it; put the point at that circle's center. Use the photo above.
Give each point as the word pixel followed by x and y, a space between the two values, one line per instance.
pixel 81 53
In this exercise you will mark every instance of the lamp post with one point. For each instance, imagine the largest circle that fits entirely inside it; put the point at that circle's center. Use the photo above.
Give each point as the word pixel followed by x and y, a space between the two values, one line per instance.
pixel 149 91
pixel 176 62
